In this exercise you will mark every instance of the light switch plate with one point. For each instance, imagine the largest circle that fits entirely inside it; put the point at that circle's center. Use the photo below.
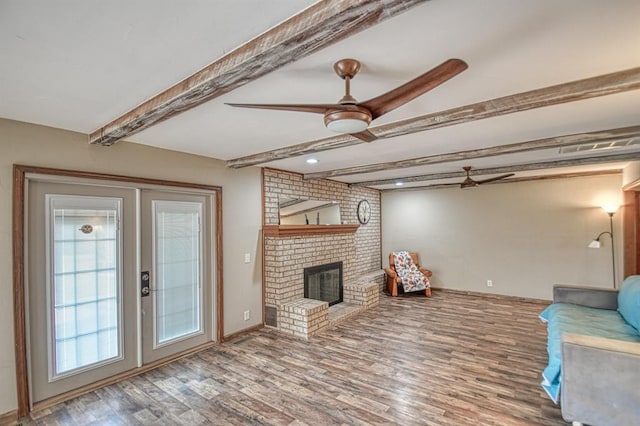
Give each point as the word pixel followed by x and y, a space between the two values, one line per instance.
pixel 247 257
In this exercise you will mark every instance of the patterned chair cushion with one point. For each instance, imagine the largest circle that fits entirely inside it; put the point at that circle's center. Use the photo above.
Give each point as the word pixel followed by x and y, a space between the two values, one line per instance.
pixel 411 277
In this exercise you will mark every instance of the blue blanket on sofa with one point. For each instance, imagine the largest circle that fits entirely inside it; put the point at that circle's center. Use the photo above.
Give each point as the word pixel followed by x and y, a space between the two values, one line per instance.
pixel 567 318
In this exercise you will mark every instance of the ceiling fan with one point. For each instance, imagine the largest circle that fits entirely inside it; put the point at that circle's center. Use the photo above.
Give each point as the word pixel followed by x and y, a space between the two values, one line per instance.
pixel 470 183
pixel 353 117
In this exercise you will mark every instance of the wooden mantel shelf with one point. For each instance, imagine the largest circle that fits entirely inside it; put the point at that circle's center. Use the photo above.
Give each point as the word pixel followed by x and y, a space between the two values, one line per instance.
pixel 301 230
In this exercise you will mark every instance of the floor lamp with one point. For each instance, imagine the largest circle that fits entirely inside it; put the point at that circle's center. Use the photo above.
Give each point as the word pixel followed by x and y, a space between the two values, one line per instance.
pixel 611 210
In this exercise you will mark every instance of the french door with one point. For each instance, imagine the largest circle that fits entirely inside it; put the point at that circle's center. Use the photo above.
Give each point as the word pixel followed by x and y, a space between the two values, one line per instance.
pixel 117 278
pixel 175 301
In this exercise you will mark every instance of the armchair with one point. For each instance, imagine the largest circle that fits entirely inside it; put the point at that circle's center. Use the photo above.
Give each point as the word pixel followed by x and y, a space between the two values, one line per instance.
pixel 394 279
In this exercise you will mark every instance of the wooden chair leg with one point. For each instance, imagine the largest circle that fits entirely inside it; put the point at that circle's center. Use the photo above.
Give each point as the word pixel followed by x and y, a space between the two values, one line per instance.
pixel 392 286
pixel 427 292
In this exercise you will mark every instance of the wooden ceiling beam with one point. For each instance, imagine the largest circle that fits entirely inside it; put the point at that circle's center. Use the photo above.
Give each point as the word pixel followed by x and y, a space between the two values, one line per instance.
pixel 607 84
pixel 513 180
pixel 629 156
pixel 318 26
pixel 610 135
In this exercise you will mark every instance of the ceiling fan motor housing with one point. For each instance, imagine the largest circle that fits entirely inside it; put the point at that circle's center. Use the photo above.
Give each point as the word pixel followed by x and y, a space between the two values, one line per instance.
pixel 468 183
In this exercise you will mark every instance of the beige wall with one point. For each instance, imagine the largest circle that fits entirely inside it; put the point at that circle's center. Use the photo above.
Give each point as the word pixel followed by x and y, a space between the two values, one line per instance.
pixel 524 236
pixel 22 143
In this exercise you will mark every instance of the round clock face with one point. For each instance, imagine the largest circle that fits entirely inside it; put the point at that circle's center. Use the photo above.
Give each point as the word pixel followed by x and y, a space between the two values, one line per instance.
pixel 364 212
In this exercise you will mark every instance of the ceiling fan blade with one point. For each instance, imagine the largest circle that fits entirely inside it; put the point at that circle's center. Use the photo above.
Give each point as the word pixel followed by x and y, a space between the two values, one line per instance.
pixel 365 135
pixel 401 95
pixel 316 108
pixel 435 186
pixel 479 182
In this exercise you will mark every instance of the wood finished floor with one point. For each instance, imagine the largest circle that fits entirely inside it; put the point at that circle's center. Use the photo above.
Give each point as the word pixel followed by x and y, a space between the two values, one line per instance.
pixel 452 359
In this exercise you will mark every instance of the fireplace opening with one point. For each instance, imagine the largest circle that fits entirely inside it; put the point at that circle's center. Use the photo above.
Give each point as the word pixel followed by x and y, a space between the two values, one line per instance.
pixel 324 282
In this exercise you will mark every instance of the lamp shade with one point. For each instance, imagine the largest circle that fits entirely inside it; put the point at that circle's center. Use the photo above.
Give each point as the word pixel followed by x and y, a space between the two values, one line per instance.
pixel 594 244
pixel 349 121
pixel 347 125
pixel 610 208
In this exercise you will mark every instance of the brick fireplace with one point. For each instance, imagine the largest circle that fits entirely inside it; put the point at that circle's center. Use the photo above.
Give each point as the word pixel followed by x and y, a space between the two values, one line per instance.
pixel 286 255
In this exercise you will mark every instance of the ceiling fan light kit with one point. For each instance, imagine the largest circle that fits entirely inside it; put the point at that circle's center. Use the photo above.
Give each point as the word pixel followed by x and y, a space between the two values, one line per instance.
pixel 347 121
pixel 349 116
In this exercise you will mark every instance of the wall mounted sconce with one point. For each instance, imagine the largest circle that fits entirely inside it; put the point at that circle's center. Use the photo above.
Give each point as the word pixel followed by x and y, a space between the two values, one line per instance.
pixel 611 210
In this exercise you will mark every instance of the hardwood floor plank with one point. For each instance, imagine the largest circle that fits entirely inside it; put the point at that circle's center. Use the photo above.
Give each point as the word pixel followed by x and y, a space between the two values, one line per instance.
pixel 450 360
pixel 254 410
pixel 325 394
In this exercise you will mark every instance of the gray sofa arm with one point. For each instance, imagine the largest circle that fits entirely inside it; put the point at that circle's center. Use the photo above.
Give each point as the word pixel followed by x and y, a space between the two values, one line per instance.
pixel 592 297
pixel 600 380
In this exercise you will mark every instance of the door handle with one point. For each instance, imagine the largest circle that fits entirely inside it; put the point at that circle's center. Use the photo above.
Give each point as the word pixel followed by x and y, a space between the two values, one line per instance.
pixel 144 284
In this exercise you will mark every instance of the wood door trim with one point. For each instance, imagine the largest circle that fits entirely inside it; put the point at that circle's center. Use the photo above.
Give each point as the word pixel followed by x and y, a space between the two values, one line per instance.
pixel 262 246
pixel 18 217
pixel 19 327
pixel 219 269
pixel 630 228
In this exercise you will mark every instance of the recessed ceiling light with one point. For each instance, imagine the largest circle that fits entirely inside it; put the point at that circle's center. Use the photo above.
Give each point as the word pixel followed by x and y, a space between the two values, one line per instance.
pixel 312 161
pixel 399 183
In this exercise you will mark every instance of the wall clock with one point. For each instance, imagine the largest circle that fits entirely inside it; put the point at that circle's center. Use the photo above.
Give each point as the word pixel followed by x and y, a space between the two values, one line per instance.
pixel 364 212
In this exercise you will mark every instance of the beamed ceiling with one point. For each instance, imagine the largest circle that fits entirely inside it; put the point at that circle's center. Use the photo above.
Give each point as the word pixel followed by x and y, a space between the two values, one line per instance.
pixel 551 88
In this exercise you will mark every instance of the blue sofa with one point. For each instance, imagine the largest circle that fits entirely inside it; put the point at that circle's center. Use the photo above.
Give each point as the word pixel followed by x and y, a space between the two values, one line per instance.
pixel 594 353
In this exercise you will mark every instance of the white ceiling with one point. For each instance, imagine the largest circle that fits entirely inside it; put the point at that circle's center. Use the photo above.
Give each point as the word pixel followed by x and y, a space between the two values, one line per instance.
pixel 79 64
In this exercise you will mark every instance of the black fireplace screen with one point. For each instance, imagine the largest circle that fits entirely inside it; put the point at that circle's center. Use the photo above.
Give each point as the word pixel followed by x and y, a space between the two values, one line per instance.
pixel 324 282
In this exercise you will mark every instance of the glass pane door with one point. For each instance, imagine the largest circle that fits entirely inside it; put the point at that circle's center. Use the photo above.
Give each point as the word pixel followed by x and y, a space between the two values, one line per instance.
pixel 86 285
pixel 178 269
pixel 176 256
pixel 82 288
pixel 116 278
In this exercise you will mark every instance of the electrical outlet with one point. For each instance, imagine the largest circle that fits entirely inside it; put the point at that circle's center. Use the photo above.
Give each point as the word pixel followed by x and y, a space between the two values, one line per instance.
pixel 247 315
pixel 247 257
pixel 489 283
